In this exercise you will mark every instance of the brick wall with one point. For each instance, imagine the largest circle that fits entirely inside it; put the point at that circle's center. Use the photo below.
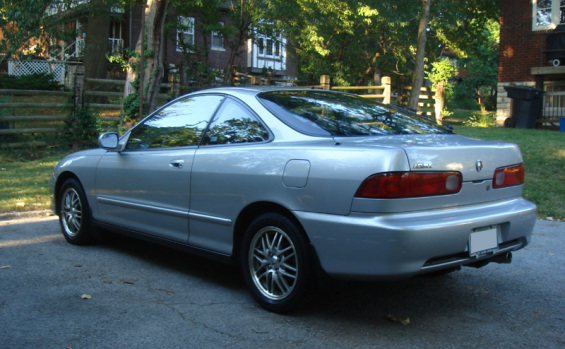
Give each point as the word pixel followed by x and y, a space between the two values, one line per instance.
pixel 520 50
pixel 520 46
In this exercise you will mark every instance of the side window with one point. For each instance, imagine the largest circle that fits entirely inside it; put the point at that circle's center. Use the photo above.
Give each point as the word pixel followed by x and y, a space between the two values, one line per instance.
pixel 177 125
pixel 235 124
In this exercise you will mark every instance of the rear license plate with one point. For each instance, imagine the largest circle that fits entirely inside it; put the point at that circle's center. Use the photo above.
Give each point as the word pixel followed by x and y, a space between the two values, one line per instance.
pixel 482 241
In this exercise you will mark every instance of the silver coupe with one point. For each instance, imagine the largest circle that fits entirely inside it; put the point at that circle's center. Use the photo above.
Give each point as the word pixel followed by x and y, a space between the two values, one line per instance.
pixel 294 183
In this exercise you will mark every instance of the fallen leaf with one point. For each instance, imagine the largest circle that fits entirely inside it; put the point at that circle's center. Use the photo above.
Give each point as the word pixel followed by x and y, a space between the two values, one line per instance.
pixel 399 319
pixel 129 282
pixel 86 296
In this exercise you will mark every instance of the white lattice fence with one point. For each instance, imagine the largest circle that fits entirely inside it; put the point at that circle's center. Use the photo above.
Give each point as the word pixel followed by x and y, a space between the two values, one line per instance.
pixel 18 68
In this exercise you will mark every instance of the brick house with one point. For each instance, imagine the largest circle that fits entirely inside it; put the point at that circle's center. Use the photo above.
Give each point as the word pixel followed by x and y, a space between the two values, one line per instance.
pixel 526 59
pixel 123 31
pixel 255 56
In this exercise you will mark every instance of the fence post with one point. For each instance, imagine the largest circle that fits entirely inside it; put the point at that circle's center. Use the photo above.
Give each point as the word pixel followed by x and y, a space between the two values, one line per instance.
pixel 78 87
pixel 255 80
pixel 386 82
pixel 234 77
pixel 174 81
pixel 325 82
pixel 78 103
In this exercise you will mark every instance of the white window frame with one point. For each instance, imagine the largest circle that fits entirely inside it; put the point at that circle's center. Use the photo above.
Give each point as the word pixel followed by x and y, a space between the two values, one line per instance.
pixel 220 37
pixel 115 40
pixel 555 13
pixel 187 22
pixel 267 51
pixel 274 44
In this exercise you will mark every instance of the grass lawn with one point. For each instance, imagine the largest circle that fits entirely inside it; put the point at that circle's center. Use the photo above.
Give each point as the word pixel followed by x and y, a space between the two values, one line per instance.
pixel 24 182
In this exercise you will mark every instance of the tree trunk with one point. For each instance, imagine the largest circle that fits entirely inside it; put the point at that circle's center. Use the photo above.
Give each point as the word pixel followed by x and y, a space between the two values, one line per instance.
pixel 155 13
pixel 440 101
pixel 97 32
pixel 418 77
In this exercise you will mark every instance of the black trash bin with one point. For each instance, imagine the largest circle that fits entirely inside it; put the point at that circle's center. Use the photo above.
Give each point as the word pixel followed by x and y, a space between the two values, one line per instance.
pixel 526 103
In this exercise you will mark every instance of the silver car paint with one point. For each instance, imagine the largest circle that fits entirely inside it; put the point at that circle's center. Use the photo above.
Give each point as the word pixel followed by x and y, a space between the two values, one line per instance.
pixel 200 202
pixel 161 207
pixel 371 246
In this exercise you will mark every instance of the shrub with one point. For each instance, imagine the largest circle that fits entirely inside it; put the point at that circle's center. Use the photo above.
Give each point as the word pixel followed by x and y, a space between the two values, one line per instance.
pixel 37 81
pixel 481 119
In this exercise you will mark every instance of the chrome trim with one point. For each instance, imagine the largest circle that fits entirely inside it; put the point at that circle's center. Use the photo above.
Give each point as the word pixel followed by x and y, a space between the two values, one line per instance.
pixel 132 205
pixel 210 219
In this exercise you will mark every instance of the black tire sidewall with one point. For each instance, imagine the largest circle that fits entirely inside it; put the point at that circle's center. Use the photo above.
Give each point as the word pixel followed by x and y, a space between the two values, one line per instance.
pixel 303 282
pixel 84 235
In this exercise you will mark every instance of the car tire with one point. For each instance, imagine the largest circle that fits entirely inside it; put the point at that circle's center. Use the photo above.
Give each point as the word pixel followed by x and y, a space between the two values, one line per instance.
pixel 276 262
pixel 74 213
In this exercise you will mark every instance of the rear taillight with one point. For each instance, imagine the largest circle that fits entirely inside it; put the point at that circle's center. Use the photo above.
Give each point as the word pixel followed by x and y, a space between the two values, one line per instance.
pixel 508 176
pixel 394 185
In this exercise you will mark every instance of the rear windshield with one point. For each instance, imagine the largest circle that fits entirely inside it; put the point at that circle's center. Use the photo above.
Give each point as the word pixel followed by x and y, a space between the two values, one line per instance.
pixel 324 113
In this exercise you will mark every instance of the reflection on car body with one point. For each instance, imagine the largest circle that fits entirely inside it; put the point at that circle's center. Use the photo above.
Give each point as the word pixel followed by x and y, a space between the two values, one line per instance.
pixel 288 183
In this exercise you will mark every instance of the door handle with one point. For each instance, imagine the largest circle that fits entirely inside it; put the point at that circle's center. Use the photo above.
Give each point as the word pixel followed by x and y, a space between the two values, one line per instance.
pixel 177 163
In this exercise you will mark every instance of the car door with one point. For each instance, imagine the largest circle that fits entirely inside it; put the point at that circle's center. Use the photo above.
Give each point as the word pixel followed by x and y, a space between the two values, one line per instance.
pixel 146 187
pixel 227 165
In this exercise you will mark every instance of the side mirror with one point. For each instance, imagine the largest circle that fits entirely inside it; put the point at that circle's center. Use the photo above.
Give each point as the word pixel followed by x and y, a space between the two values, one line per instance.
pixel 109 141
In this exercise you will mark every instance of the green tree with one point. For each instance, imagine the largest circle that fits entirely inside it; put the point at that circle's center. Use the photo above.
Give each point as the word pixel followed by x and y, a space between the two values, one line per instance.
pixel 21 27
pixel 418 75
pixel 481 62
pixel 353 41
pixel 442 72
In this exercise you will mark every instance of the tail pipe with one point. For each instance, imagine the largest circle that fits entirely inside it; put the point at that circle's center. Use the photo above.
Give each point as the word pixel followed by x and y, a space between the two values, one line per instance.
pixel 504 258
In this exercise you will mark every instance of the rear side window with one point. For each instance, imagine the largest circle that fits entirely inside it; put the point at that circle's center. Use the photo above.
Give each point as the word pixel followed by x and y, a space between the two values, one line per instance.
pixel 177 125
pixel 324 113
pixel 235 124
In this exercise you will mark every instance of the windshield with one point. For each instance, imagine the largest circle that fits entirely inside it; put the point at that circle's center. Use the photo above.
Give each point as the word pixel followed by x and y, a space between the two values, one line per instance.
pixel 324 113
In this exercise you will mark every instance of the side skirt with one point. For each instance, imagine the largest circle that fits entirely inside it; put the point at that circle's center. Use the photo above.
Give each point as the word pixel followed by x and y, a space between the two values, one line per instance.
pixel 220 257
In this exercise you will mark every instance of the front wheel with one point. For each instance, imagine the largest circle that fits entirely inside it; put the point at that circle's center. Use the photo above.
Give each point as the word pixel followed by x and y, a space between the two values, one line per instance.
pixel 276 262
pixel 74 214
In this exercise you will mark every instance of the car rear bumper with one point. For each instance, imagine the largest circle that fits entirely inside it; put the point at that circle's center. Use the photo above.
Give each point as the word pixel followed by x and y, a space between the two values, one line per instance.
pixel 389 246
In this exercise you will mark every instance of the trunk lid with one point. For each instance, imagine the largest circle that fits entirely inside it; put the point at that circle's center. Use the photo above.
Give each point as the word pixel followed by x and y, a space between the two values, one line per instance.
pixel 475 159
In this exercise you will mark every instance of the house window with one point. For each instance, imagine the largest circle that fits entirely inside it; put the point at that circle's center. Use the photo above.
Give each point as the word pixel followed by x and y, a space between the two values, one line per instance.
pixel 218 40
pixel 261 46
pixel 269 47
pixel 185 33
pixel 547 14
pixel 115 41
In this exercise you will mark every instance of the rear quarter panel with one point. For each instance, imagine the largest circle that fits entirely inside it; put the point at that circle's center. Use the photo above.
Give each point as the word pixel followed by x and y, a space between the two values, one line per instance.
pixel 226 179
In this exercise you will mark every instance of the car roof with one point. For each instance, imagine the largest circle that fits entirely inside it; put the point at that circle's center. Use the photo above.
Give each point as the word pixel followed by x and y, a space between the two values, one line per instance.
pixel 251 90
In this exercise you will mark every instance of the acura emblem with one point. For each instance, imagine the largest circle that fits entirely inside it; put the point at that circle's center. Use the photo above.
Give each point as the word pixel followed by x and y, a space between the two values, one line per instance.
pixel 479 165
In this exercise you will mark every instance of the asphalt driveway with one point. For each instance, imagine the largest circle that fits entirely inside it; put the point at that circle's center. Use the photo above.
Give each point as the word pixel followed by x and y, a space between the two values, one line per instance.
pixel 129 294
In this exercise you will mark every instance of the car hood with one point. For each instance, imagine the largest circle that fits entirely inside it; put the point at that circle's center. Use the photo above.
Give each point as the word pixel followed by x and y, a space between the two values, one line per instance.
pixel 474 159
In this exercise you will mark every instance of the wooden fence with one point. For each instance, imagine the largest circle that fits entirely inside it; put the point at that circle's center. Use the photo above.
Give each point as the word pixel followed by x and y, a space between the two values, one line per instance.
pixel 37 119
pixel 22 114
pixel 28 116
